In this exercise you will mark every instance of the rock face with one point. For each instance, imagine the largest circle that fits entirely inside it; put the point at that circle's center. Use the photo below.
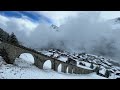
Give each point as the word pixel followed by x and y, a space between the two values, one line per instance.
pixel 54 27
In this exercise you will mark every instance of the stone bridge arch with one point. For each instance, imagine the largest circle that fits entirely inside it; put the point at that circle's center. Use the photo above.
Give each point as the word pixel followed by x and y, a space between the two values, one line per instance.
pixel 16 53
pixel 27 57
pixel 47 64
pixel 70 69
pixel 59 68
pixel 63 66
pixel 39 59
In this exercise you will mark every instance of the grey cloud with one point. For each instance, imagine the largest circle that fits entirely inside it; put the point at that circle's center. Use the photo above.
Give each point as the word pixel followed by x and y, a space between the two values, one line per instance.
pixel 84 33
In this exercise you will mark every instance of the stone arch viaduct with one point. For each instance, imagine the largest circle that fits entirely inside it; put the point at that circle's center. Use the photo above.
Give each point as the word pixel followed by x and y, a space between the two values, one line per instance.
pixel 14 51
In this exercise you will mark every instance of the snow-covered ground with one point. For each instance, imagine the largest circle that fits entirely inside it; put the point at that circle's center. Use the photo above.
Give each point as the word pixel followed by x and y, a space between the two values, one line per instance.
pixel 23 68
pixel 62 58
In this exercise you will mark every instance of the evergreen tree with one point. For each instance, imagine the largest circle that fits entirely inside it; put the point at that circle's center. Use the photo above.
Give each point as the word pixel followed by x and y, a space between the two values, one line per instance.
pixel 97 70
pixel 3 35
pixel 13 39
pixel 91 66
pixel 8 38
pixel 107 73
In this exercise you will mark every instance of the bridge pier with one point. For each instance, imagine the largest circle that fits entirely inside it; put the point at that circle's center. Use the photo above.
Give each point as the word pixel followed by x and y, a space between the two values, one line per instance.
pixel 64 67
pixel 53 67
pixel 82 71
pixel 56 64
pixel 70 69
pixel 10 57
pixel 38 62
pixel 75 70
pixel 79 71
pixel 7 55
pixel 11 60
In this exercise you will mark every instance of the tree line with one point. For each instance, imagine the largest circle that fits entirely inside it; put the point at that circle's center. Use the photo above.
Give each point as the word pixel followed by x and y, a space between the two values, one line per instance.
pixel 4 36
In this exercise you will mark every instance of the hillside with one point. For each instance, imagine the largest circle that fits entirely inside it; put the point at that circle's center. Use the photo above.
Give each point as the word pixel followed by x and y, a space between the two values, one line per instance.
pixel 106 68
pixel 23 68
pixel 84 60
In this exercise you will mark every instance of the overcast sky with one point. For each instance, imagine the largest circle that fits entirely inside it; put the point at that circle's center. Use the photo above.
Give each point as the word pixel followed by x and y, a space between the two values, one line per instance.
pixel 55 17
pixel 26 22
pixel 110 14
pixel 79 30
pixel 58 17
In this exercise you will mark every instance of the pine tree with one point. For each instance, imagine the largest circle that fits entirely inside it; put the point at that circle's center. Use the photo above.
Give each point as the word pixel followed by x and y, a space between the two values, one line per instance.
pixel 3 35
pixel 107 73
pixel 91 66
pixel 13 39
pixel 8 38
pixel 97 70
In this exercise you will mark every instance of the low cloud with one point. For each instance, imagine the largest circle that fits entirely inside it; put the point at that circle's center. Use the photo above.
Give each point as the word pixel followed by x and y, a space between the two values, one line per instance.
pixel 85 32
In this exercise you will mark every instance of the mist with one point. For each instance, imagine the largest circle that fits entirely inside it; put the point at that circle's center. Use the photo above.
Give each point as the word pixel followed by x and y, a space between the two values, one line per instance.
pixel 87 32
pixel 91 34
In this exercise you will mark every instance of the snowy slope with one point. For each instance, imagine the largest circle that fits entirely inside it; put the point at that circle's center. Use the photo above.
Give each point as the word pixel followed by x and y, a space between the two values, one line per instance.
pixel 84 60
pixel 24 68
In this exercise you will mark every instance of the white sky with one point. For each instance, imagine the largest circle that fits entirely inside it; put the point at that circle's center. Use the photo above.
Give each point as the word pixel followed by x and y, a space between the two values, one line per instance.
pixel 110 14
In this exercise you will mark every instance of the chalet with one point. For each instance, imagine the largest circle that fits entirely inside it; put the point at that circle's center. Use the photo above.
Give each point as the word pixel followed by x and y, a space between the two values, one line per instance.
pixel 71 61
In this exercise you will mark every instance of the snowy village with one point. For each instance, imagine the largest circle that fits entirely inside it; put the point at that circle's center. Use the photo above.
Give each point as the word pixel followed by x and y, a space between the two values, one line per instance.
pixel 59 45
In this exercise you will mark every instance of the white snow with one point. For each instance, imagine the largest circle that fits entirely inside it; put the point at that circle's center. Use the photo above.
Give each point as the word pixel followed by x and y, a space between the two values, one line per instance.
pixel 87 64
pixel 113 76
pixel 56 55
pixel 67 70
pixel 62 58
pixel 46 53
pixel 84 67
pixel 22 69
pixel 47 65
pixel 117 72
pixel 28 57
pixel 102 71
pixel 59 68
